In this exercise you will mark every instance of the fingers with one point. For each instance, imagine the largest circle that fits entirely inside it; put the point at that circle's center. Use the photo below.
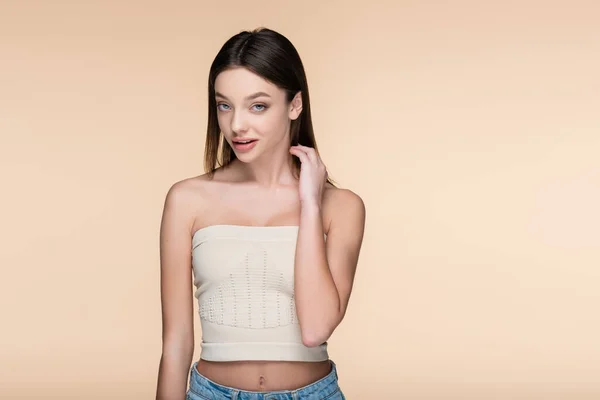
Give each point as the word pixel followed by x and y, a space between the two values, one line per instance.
pixel 300 154
pixel 310 153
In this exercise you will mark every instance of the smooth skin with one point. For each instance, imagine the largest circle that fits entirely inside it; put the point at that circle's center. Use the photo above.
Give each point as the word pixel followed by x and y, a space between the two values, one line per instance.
pixel 258 189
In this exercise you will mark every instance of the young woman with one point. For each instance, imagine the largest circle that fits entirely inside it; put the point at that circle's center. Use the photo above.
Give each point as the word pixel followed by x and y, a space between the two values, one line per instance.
pixel 269 242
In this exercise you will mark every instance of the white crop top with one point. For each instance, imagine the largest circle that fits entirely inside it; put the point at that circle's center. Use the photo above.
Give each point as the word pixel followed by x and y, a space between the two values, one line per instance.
pixel 244 279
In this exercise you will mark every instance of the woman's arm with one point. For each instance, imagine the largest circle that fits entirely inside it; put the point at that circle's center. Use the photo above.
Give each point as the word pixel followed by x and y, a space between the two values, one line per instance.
pixel 176 295
pixel 324 270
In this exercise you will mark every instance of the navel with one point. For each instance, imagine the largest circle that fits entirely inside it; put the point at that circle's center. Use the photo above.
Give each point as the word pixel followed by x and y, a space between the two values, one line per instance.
pixel 261 382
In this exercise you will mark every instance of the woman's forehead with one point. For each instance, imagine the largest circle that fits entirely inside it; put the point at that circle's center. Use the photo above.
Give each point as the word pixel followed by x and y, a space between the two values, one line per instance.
pixel 240 82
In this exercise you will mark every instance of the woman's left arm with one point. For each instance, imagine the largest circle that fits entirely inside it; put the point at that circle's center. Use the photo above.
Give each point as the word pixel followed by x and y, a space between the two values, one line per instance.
pixel 324 269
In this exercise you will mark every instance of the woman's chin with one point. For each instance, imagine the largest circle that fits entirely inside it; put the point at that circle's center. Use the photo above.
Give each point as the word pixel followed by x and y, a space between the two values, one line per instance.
pixel 246 157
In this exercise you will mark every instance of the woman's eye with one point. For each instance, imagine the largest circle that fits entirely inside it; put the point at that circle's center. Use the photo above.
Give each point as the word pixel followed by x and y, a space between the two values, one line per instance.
pixel 255 107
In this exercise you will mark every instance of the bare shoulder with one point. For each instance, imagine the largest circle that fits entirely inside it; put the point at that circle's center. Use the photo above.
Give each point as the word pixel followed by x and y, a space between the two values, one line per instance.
pixel 341 197
pixel 189 195
pixel 187 189
pixel 189 186
pixel 344 207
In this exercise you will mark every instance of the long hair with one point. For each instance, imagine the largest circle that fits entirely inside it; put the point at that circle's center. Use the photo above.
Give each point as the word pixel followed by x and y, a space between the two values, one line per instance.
pixel 272 56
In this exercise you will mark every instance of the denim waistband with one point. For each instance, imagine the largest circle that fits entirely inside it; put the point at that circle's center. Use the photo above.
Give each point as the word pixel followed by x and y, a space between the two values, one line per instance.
pixel 324 386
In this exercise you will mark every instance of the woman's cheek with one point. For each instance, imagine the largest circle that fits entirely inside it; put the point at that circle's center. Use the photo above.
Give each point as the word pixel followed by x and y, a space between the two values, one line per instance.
pixel 222 121
pixel 273 125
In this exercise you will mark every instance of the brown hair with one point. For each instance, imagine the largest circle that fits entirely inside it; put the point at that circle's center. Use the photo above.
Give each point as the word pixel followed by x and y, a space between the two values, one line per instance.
pixel 273 57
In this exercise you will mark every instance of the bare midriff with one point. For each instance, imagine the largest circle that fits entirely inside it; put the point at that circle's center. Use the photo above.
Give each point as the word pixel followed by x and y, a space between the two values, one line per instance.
pixel 264 375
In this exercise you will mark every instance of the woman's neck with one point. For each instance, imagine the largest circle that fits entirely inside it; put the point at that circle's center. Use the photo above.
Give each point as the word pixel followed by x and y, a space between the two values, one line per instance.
pixel 267 172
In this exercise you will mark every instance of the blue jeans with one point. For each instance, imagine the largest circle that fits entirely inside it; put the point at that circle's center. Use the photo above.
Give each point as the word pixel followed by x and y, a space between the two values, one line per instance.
pixel 201 388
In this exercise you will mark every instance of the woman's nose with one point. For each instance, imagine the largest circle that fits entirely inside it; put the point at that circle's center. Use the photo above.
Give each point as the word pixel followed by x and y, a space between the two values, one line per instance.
pixel 238 122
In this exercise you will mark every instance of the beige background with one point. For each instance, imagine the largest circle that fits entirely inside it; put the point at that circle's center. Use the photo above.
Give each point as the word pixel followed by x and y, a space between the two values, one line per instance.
pixel 470 128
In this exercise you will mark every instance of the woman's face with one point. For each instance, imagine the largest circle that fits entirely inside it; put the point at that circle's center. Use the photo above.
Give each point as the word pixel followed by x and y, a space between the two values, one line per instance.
pixel 254 115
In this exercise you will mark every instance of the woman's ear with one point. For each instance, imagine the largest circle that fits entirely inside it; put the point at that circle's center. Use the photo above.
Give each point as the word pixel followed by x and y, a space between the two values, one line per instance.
pixel 295 106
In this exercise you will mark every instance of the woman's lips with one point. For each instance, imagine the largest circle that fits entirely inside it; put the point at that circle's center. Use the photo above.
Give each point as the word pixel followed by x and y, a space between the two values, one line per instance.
pixel 244 145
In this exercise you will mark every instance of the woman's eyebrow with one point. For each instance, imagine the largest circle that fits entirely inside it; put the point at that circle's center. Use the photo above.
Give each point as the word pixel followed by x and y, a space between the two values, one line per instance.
pixel 250 97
